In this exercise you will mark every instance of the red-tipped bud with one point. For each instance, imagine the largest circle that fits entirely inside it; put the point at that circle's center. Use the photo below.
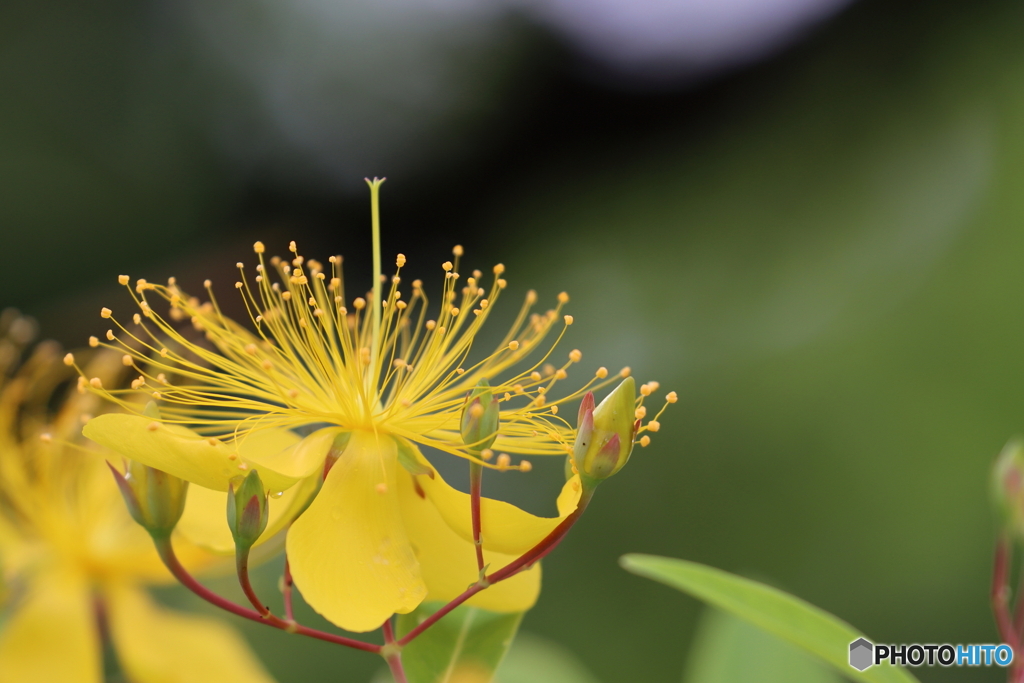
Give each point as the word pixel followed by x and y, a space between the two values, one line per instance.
pixel 248 511
pixel 604 435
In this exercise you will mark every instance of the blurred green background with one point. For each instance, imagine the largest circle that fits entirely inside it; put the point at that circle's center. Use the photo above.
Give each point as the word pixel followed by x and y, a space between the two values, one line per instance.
pixel 819 247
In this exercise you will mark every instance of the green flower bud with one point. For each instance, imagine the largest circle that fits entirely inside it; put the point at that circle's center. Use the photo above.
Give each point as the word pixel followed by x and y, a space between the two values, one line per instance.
pixel 248 511
pixel 604 435
pixel 1008 487
pixel 154 498
pixel 480 418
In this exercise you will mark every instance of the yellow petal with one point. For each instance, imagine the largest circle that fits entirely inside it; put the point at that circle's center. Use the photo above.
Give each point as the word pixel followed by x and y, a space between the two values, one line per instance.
pixel 204 522
pixel 504 527
pixel 298 460
pixel 157 645
pixel 448 561
pixel 185 454
pixel 349 552
pixel 52 636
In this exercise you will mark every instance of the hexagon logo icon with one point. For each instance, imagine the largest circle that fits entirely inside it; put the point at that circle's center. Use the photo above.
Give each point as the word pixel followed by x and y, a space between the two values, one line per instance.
pixel 861 652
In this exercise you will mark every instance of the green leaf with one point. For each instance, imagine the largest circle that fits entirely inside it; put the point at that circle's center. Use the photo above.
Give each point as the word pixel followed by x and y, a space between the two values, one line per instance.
pixel 730 650
pixel 533 659
pixel 781 614
pixel 469 640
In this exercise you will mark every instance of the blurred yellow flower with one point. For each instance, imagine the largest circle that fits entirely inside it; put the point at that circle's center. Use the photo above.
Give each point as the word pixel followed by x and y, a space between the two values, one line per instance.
pixel 366 379
pixel 73 562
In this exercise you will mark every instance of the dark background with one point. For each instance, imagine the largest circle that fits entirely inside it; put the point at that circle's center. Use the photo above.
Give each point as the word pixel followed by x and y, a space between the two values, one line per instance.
pixel 819 247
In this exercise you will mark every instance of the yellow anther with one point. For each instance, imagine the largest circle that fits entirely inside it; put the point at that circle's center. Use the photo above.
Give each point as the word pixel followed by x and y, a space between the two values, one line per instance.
pixel 258 247
pixel 106 312
pixel 575 355
pixel 156 395
pixel 625 372
pixel 653 426
pixel 513 346
pixel 504 460
pixel 250 349
pixel 548 369
pixel 207 283
pixel 454 311
pixel 321 276
pixel 94 342
pixel 359 303
pixel 400 260
pixel 645 390
pixel 499 268
pixel 567 319
pixel 82 384
pixel 123 279
pixel 266 365
pixel 554 410
pixel 508 396
pixel 561 374
pixel 487 454
pixel 137 319
pixel 502 283
pixel 69 359
pixel 645 441
pixel 110 335
pixel 476 410
pixel 525 466
pixel 153 426
pixel 531 296
pixel 563 297
pixel 239 285
pixel 640 413
pixel 287 296
pixel 96 383
pixel 460 371
pixel 293 393
pixel 430 325
pixel 381 488
pixel 401 305
pixel 292 248
pixel 654 385
pixel 671 397
pixel 447 265
pixel 162 378
pixel 535 376
pixel 457 250
pixel 127 360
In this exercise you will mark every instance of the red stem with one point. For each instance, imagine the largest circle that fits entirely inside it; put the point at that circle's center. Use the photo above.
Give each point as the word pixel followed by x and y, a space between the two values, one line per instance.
pixel 1000 593
pixel 289 612
pixel 476 475
pixel 393 655
pixel 242 567
pixel 166 551
pixel 549 543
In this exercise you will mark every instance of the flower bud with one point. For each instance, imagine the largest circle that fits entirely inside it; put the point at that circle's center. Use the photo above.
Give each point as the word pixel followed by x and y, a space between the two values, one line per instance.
pixel 604 435
pixel 1008 487
pixel 247 509
pixel 154 498
pixel 480 418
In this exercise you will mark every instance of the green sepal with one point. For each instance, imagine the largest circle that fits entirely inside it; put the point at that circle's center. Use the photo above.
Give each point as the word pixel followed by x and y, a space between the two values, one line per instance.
pixel 469 639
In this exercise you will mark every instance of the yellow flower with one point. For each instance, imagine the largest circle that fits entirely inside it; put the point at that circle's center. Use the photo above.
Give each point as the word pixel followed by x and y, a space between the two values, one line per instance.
pixel 74 562
pixel 366 380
